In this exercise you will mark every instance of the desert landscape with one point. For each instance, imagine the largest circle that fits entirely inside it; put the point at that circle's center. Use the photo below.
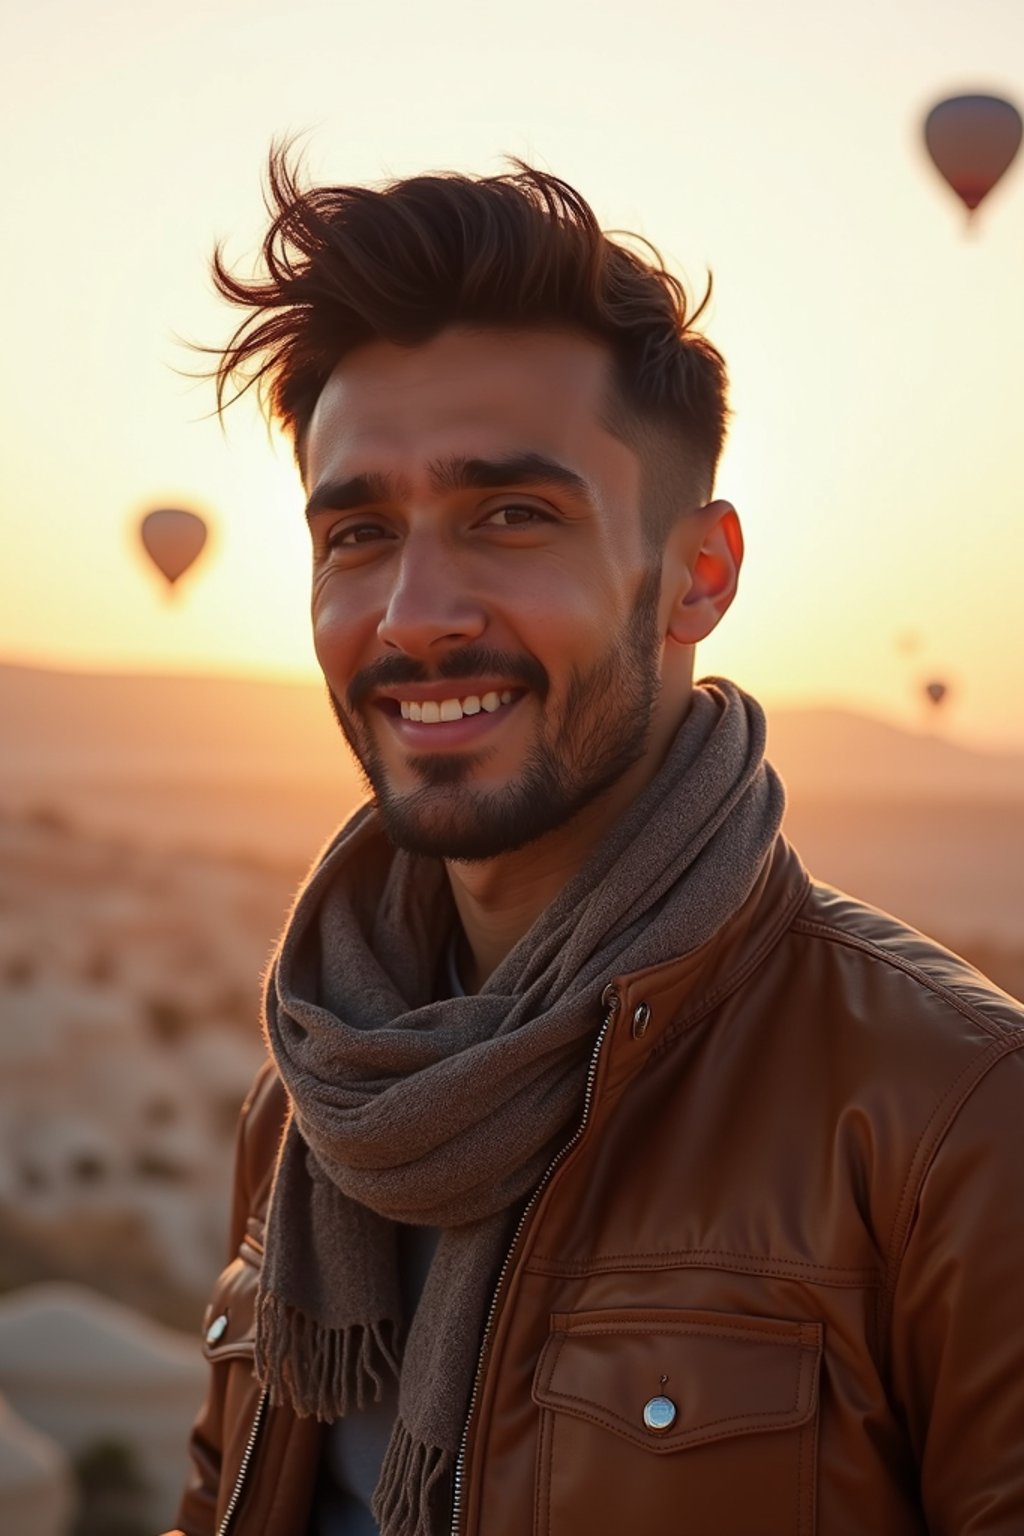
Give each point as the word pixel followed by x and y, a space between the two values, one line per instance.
pixel 152 831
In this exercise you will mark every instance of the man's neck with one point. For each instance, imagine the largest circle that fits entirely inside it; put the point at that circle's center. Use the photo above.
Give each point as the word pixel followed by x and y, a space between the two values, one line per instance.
pixel 495 913
pixel 500 899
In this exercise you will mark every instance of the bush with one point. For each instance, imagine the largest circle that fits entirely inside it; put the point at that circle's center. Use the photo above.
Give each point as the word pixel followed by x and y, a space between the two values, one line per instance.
pixel 88 1167
pixel 100 967
pixel 50 818
pixel 113 1494
pixel 19 970
pixel 154 1165
pixel 166 1018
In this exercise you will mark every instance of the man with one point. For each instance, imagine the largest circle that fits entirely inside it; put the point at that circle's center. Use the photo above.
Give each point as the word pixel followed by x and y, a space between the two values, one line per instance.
pixel 607 1175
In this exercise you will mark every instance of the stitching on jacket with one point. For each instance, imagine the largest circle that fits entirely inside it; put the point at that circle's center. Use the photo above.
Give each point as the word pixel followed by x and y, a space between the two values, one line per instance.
pixel 808 1354
pixel 691 1330
pixel 694 1436
pixel 548 1426
pixel 251 1251
pixel 766 1264
pixel 800 1465
pixel 952 1102
pixel 542 1491
pixel 255 1231
pixel 1002 1042
pixel 711 999
pixel 816 928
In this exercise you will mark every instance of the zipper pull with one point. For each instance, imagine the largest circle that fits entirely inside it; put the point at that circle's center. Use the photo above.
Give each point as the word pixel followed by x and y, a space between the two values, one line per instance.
pixel 611 1002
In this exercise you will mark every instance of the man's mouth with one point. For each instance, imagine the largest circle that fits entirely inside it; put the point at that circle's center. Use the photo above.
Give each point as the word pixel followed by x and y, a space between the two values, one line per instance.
pixel 458 720
pixel 434 712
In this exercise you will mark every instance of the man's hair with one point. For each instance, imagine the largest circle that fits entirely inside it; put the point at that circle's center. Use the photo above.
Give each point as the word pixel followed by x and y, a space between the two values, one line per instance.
pixel 343 266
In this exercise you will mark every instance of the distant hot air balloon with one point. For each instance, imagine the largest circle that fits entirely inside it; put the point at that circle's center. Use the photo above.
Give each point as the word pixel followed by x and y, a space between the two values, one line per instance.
pixel 936 692
pixel 172 538
pixel 972 141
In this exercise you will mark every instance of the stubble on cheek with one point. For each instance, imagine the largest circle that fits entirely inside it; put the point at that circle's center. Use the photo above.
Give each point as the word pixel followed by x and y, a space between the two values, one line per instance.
pixel 357 740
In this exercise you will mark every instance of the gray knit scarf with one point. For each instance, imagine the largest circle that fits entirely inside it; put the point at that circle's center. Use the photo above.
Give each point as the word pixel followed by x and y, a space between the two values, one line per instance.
pixel 407 1108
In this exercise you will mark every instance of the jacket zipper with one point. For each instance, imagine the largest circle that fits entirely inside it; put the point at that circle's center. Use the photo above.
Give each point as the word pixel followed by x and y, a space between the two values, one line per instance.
pixel 236 1492
pixel 610 999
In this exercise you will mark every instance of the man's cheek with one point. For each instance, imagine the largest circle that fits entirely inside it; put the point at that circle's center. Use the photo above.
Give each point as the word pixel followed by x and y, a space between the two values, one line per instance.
pixel 331 638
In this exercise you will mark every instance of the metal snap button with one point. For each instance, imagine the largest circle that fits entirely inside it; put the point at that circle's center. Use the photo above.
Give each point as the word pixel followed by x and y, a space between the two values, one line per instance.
pixel 641 1019
pixel 217 1329
pixel 659 1414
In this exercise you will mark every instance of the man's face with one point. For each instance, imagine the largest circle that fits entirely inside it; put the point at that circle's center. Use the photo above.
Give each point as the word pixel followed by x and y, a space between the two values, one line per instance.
pixel 484 610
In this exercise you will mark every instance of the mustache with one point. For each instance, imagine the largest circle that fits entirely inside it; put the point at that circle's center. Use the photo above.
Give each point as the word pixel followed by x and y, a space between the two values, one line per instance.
pixel 473 661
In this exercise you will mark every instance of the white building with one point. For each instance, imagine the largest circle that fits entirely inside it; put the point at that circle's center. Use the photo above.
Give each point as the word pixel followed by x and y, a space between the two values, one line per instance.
pixel 84 1370
pixel 37 1496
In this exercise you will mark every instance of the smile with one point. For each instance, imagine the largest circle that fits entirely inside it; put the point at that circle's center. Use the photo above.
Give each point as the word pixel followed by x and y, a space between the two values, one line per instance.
pixel 430 712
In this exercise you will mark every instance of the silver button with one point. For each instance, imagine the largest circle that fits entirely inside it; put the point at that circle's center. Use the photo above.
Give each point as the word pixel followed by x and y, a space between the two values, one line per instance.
pixel 641 1019
pixel 217 1329
pixel 659 1414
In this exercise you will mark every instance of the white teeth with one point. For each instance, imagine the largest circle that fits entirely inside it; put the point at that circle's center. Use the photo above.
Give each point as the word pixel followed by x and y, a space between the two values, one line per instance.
pixel 432 713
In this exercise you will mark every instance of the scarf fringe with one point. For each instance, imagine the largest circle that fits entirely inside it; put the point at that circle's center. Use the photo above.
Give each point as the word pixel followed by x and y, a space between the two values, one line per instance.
pixel 412 1477
pixel 323 1373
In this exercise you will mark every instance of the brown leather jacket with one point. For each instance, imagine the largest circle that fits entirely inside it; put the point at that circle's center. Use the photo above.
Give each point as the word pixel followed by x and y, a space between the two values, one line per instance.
pixel 794 1209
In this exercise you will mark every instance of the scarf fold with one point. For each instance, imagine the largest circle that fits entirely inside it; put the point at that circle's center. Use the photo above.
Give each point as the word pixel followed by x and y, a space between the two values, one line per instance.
pixel 406 1108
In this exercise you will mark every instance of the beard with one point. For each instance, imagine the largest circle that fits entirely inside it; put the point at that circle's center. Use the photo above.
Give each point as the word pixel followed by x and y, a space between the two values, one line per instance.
pixel 602 729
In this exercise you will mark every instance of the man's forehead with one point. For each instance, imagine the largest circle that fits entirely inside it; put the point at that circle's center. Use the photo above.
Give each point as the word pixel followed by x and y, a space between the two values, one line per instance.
pixel 469 394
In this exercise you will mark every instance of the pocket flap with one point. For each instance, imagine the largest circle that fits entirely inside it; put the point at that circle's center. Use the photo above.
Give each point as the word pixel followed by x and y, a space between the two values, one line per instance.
pixel 229 1322
pixel 723 1374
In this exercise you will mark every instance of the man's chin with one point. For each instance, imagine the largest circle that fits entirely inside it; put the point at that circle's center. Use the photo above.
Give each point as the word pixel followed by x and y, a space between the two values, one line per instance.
pixel 448 839
pixel 461 828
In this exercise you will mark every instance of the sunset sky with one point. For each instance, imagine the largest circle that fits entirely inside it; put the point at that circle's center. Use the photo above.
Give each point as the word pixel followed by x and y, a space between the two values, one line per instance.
pixel 874 344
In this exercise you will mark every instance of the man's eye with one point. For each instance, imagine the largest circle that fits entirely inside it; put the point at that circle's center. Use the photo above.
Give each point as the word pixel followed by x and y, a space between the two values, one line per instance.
pixel 354 533
pixel 516 515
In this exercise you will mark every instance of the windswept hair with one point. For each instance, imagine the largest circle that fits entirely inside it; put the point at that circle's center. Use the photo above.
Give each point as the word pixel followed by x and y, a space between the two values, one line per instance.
pixel 342 266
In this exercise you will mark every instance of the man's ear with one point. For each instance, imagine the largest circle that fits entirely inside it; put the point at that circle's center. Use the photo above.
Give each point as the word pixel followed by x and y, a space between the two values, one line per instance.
pixel 708 554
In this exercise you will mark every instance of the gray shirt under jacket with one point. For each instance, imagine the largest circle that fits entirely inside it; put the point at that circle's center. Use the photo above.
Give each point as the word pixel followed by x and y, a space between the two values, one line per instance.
pixel 354 1447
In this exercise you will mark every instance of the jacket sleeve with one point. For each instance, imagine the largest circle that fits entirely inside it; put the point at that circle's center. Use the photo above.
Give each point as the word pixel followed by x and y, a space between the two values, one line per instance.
pixel 197 1512
pixel 957 1330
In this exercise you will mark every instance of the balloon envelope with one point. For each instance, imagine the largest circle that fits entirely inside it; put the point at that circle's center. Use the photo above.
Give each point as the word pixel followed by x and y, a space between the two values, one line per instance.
pixel 972 141
pixel 172 538
pixel 936 692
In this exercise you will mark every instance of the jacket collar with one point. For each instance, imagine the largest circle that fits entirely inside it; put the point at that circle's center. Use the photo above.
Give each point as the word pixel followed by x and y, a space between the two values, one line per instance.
pixel 648 1008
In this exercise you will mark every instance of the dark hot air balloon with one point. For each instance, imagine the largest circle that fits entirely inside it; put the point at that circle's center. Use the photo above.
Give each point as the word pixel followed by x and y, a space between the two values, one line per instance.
pixel 936 692
pixel 173 539
pixel 973 140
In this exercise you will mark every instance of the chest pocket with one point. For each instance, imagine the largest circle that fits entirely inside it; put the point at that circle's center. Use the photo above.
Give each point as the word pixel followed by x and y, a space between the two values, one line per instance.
pixel 693 1423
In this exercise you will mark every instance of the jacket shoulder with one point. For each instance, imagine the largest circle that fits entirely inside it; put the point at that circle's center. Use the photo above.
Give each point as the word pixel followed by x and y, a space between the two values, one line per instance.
pixel 262 1121
pixel 880 955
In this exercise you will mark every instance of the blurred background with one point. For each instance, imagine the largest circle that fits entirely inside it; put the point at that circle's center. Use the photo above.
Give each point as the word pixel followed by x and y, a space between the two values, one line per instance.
pixel 169 765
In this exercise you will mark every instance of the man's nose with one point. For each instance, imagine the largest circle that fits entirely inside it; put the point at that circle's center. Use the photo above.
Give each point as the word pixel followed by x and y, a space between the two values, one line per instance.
pixel 430 606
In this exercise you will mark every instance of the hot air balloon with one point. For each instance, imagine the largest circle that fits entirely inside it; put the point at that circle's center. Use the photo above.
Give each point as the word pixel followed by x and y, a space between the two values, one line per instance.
pixel 173 539
pixel 936 692
pixel 973 140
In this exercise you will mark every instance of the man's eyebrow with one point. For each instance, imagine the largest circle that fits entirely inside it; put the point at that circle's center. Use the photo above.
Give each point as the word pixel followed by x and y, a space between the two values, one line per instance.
pixel 513 469
pixel 359 491
pixel 456 474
